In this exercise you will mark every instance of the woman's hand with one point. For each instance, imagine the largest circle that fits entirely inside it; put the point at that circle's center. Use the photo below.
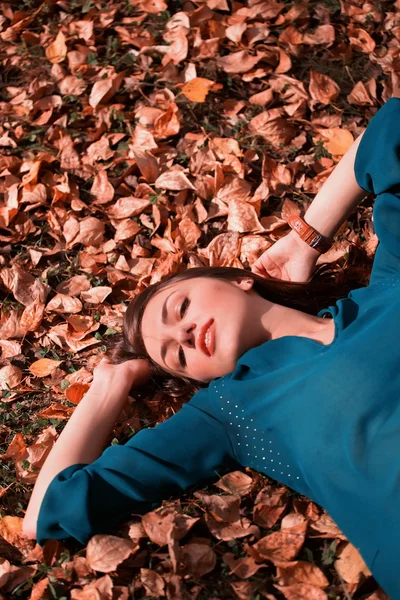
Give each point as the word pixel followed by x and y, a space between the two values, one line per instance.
pixel 289 259
pixel 131 373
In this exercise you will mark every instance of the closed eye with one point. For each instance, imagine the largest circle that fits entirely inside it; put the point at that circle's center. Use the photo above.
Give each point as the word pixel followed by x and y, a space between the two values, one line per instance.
pixel 181 354
pixel 184 306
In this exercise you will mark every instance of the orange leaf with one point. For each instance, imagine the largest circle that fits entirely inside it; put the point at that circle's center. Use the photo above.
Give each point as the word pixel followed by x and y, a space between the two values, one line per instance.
pixel 197 89
pixel 336 140
pixel 350 565
pixel 44 366
pixel 76 391
pixel 56 411
pixel 57 50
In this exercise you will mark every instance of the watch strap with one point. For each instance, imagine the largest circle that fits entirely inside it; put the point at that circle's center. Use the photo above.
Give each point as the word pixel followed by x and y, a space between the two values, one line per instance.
pixel 308 234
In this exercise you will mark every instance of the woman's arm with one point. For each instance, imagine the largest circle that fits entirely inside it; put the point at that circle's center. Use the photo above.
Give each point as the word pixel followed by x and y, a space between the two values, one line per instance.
pixel 337 198
pixel 83 438
pixel 291 258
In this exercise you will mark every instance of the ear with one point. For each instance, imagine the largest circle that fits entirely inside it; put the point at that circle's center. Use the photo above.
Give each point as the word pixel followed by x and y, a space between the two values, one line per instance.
pixel 245 283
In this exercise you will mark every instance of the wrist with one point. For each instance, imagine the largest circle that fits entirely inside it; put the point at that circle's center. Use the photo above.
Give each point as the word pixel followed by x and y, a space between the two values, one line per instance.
pixel 302 246
pixel 104 385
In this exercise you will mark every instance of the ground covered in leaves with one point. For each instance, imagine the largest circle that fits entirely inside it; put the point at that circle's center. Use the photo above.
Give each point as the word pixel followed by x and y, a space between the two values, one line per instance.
pixel 138 138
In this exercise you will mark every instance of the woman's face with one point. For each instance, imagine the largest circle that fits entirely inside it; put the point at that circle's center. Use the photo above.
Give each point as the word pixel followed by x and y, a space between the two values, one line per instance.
pixel 177 317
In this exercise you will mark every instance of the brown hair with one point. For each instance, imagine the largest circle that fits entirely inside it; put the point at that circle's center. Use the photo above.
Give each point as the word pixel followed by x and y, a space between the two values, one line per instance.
pixel 310 297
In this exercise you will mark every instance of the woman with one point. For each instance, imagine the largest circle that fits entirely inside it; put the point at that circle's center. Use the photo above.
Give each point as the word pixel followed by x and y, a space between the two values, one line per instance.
pixel 311 402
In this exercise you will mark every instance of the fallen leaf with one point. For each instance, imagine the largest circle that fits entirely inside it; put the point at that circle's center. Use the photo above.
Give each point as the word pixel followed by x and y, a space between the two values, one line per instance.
pixel 57 50
pixel 105 552
pixel 336 140
pixel 44 367
pixel 10 377
pixel 197 89
pixel 350 565
pixel 173 180
pixel 96 295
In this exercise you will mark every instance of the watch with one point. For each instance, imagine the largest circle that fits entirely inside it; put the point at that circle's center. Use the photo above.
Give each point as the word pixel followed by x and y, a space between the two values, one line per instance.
pixel 310 235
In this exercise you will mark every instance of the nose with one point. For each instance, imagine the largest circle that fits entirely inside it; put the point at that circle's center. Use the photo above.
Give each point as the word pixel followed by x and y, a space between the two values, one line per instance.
pixel 186 333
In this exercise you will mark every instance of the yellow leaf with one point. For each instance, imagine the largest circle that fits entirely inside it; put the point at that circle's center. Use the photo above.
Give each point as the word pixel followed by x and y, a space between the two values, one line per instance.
pixel 44 366
pixel 197 89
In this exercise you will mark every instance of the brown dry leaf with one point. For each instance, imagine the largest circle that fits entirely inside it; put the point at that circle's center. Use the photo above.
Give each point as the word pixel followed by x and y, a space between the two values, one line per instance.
pixel 198 559
pixel 9 348
pixel 269 505
pixel 91 232
pixel 104 89
pixel 189 235
pixel 165 524
pixel 147 163
pixel 325 527
pixel 96 295
pixel 62 303
pixel 221 508
pixel 127 207
pixel 245 589
pixel 324 34
pixel 126 230
pixel 99 589
pixel 235 483
pixel 360 39
pixel 74 286
pixel 57 50
pixel 242 217
pixel 242 567
pixel 167 124
pixel 301 591
pixel 174 180
pixel 224 147
pixel 273 127
pixel 282 545
pixel 152 582
pixel 197 89
pixel 10 325
pixel 350 565
pixel 105 552
pixel 32 317
pixel 102 189
pixel 299 571
pixel 322 88
pixel 262 98
pixel 239 62
pixel 10 377
pixel 25 288
pixel 360 96
pixel 44 367
pixel 230 531
pixel 336 140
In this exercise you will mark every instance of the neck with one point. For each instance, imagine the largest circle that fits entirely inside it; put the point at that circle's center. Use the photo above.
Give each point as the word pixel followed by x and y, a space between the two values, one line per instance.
pixel 279 321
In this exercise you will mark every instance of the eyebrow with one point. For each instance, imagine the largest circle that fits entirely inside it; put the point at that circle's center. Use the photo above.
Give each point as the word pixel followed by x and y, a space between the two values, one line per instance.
pixel 164 316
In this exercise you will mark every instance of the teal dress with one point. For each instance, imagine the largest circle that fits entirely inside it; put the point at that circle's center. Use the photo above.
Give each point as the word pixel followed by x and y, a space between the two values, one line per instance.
pixel 322 419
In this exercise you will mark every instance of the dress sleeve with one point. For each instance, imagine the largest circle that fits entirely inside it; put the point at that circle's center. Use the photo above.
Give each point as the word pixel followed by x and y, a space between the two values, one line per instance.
pixel 377 170
pixel 189 448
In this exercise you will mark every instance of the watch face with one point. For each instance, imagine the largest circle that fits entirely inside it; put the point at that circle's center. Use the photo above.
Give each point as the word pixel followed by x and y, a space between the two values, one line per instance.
pixel 315 241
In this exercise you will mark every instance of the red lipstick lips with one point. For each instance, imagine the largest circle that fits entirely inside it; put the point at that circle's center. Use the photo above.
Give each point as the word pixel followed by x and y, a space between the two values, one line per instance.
pixel 208 327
